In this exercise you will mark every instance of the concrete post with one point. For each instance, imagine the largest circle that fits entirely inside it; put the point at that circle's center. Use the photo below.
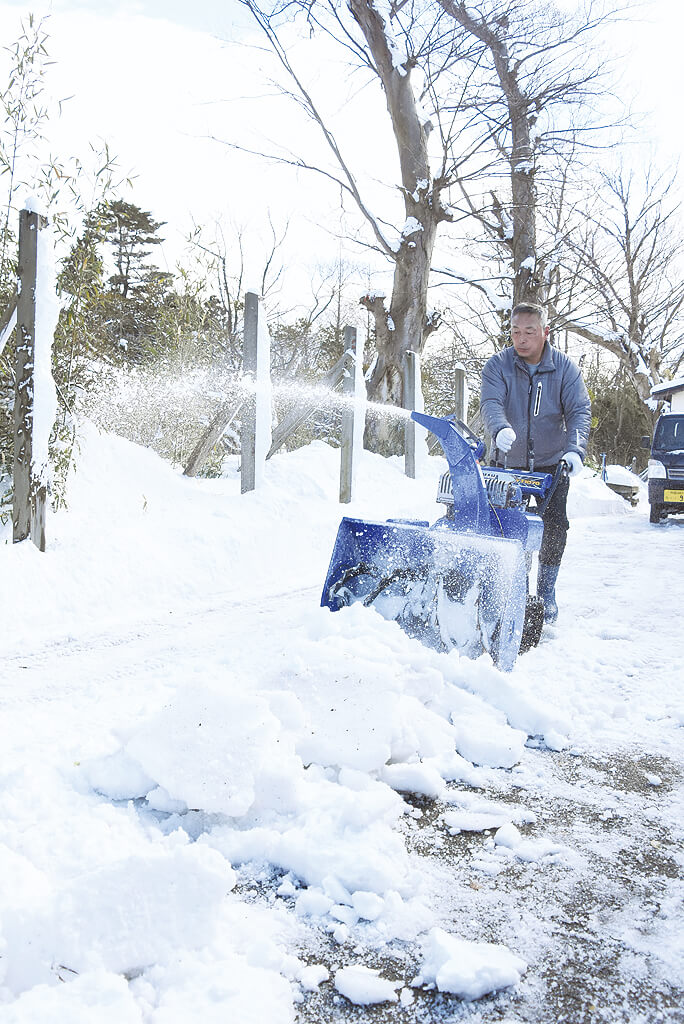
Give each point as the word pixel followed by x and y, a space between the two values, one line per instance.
pixel 249 368
pixel 460 394
pixel 347 442
pixel 411 401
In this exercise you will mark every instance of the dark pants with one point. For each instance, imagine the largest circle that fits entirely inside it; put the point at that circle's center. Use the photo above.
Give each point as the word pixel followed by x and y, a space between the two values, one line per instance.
pixel 556 523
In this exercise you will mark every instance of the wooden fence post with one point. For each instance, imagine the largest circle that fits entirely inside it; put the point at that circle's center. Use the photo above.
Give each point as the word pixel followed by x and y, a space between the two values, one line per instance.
pixel 348 390
pixel 30 491
pixel 255 434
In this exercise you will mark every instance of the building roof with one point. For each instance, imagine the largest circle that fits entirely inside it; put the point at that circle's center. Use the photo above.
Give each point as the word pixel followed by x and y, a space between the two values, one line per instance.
pixel 663 391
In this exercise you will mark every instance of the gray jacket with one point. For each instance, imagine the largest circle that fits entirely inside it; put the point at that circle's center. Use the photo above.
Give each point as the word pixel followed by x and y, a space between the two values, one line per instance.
pixel 549 410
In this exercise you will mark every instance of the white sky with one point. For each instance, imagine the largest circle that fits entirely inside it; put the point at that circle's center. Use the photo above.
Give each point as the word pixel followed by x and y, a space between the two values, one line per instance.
pixel 155 78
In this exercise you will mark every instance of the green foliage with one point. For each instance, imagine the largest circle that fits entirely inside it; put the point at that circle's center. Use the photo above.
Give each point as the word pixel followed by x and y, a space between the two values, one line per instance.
pixel 619 419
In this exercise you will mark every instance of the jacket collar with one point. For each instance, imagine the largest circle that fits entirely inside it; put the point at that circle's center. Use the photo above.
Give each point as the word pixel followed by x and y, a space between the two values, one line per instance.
pixel 546 362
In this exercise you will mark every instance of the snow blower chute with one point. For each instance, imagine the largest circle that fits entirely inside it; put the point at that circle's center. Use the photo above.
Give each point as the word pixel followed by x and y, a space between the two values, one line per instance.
pixel 461 583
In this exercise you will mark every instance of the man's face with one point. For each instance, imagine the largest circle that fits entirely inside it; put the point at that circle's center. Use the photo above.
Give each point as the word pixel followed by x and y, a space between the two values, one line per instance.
pixel 528 336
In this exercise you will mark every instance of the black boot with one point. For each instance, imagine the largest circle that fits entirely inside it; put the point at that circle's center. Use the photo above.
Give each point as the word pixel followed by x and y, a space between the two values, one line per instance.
pixel 546 589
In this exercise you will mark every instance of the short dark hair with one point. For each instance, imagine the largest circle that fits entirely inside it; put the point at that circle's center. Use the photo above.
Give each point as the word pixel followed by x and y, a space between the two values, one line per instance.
pixel 530 307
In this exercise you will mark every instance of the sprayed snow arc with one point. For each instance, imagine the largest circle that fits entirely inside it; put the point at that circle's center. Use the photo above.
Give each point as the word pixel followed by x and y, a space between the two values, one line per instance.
pixel 211 785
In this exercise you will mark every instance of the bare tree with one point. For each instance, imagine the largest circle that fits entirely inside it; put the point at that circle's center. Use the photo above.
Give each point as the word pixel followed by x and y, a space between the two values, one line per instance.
pixel 530 89
pixel 224 256
pixel 625 259
pixel 389 43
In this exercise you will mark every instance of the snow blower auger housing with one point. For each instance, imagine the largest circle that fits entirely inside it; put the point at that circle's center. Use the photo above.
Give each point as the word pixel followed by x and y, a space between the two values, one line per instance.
pixel 462 582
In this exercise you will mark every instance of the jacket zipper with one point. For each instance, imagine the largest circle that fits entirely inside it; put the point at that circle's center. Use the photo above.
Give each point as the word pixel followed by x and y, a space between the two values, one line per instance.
pixel 529 425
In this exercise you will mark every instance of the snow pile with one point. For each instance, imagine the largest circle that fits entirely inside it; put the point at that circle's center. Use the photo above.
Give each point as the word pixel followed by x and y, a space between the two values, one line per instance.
pixel 623 477
pixel 590 496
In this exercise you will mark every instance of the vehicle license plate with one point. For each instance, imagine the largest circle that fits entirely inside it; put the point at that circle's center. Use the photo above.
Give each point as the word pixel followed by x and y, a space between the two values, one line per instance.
pixel 673 496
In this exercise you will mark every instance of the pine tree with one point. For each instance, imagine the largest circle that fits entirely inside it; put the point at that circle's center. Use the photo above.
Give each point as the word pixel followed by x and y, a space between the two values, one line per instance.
pixel 137 289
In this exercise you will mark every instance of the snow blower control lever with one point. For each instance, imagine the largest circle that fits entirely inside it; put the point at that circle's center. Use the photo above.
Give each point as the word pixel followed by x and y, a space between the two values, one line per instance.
pixel 460 584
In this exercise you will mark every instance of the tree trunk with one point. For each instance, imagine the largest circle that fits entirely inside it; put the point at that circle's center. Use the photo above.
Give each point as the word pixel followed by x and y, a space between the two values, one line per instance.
pixel 517 229
pixel 406 324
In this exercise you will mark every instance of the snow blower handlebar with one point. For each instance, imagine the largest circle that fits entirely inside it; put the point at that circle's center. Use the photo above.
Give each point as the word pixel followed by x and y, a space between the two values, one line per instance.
pixel 458 442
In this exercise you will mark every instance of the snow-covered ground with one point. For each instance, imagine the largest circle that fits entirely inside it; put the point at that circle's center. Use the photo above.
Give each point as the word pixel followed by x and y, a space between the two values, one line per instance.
pixel 219 801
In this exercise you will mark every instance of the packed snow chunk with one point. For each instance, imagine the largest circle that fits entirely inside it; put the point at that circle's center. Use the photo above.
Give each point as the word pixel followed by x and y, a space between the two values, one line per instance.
pixel 209 749
pixel 554 740
pixel 493 746
pixel 418 778
pixel 468 969
pixel 141 910
pixel 159 800
pixel 337 832
pixel 364 986
pixel 509 837
pixel 95 996
pixel 351 716
pixel 313 976
pixel 313 902
pixel 118 776
pixel 368 905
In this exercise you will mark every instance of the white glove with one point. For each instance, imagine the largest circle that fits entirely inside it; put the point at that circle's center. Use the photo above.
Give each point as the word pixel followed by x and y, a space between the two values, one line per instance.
pixel 505 438
pixel 573 462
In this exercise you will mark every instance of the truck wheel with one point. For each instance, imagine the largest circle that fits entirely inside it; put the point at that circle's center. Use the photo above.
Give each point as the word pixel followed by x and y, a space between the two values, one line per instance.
pixel 656 513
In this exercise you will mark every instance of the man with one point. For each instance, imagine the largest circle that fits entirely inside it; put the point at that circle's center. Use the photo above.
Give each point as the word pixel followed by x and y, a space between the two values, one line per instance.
pixel 536 407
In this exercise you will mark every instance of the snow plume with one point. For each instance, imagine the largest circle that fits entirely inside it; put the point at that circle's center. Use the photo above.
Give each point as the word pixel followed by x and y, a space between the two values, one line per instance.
pixel 164 406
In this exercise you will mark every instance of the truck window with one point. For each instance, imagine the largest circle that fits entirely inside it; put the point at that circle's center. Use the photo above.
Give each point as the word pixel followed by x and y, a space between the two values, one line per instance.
pixel 669 434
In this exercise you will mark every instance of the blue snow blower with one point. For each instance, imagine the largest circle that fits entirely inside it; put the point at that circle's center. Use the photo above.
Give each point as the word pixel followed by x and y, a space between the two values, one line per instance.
pixel 462 582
